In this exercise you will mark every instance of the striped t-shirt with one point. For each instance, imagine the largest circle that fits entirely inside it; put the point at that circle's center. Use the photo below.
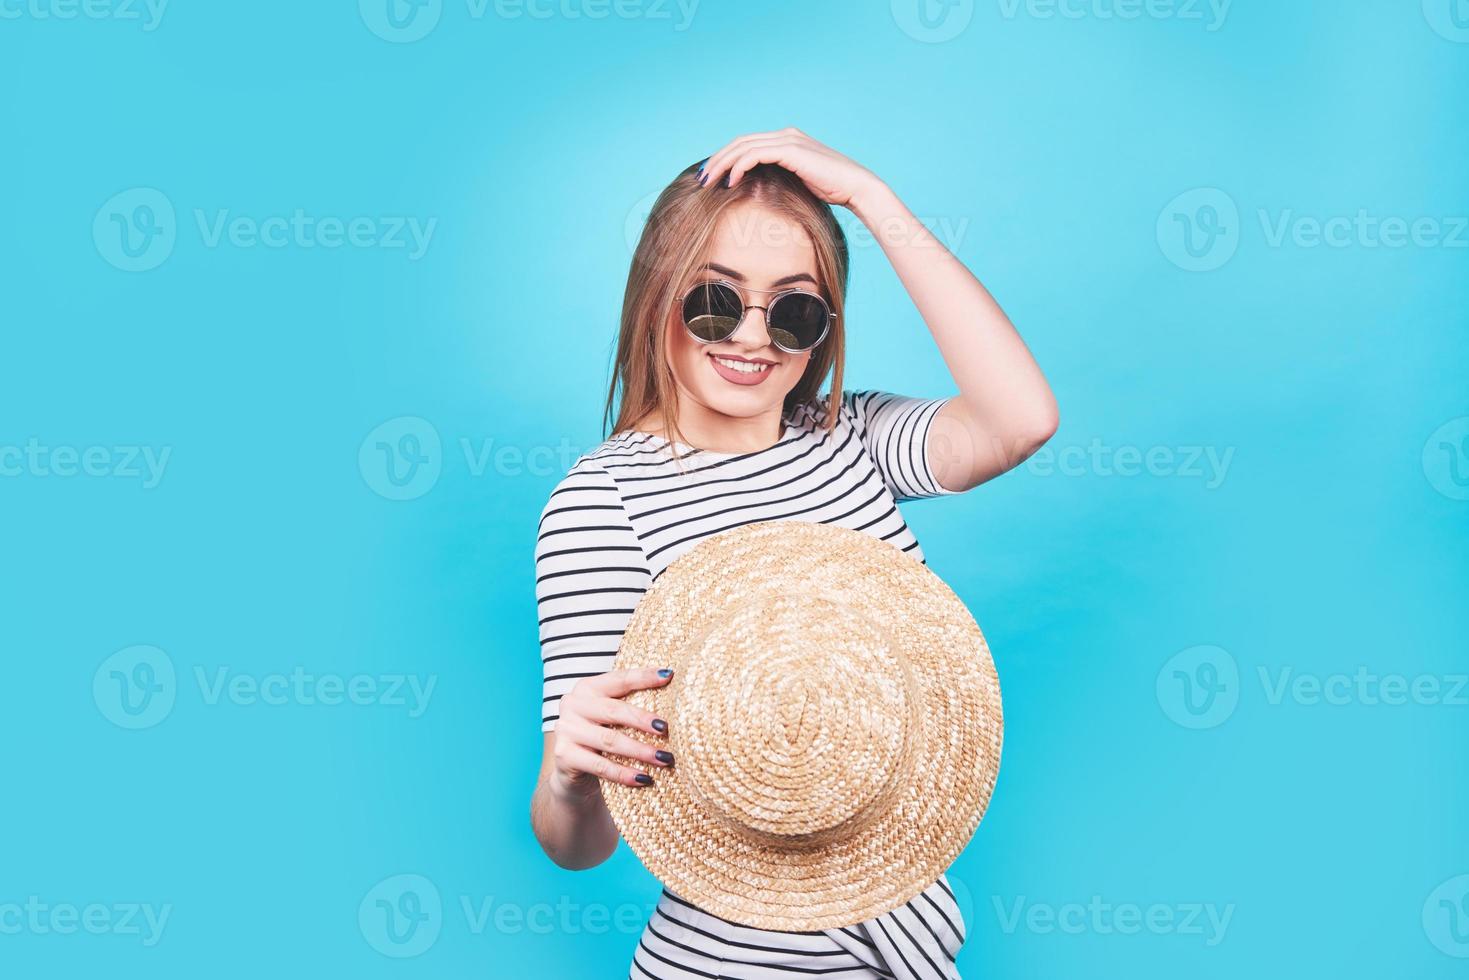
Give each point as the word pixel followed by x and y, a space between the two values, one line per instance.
pixel 622 514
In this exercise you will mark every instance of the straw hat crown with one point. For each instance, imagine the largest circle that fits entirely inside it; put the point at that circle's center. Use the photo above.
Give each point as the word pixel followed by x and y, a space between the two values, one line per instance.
pixel 835 716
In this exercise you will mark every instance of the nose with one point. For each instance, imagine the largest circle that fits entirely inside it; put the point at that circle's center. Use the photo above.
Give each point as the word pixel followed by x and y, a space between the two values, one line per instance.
pixel 753 332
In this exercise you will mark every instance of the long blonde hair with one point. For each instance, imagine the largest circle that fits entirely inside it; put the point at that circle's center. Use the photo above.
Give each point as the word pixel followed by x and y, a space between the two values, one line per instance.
pixel 673 244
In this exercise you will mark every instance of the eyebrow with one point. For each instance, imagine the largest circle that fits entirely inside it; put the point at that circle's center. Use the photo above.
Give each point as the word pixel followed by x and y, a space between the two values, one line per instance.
pixel 737 277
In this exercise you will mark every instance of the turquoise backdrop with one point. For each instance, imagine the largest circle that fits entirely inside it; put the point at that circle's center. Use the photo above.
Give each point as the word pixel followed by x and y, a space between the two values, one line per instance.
pixel 305 307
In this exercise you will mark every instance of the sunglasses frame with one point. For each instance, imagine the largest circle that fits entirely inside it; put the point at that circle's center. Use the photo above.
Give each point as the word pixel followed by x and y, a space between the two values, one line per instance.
pixel 745 309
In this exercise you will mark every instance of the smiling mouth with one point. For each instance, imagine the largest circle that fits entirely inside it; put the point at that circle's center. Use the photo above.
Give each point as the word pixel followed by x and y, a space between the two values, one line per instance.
pixel 744 367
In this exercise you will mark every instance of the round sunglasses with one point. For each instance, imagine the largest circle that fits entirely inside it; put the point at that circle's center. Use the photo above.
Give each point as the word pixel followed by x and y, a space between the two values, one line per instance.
pixel 796 320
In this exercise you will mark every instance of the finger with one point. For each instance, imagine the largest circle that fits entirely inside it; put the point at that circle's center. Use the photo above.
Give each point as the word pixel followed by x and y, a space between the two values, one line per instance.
pixel 620 683
pixel 775 151
pixel 719 160
pixel 615 711
pixel 578 759
pixel 601 739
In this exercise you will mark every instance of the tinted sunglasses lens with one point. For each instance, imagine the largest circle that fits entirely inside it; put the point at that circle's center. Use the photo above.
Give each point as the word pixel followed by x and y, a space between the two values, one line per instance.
pixel 798 321
pixel 712 312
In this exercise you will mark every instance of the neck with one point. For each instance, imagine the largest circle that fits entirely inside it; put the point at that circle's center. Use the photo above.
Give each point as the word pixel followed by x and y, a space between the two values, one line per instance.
pixel 704 428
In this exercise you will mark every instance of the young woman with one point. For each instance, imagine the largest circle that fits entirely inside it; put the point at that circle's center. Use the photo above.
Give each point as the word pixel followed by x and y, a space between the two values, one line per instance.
pixel 732 320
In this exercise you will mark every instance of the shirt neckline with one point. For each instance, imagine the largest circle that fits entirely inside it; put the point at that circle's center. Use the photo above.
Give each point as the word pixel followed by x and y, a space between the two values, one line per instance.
pixel 789 431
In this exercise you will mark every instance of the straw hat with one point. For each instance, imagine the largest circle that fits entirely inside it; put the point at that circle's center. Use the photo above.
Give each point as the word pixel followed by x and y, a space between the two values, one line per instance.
pixel 835 720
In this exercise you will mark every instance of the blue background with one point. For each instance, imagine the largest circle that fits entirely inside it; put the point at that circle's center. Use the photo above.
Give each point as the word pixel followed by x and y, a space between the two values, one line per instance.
pixel 1050 147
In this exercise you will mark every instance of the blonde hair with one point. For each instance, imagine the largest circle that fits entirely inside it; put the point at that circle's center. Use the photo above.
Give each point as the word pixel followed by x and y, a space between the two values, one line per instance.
pixel 674 243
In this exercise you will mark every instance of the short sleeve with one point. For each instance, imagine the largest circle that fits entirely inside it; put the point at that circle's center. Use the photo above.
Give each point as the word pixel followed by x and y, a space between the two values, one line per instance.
pixel 894 431
pixel 590 574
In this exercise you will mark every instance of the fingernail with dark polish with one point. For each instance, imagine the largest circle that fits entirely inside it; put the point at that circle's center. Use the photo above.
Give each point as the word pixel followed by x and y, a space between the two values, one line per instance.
pixel 664 756
pixel 643 779
pixel 665 672
pixel 659 725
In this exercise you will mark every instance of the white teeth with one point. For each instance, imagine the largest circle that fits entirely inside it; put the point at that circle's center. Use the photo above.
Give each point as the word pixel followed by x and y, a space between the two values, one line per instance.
pixel 744 367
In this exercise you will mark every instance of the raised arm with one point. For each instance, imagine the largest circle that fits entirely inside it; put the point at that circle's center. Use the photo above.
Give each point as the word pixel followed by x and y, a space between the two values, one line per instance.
pixel 1005 410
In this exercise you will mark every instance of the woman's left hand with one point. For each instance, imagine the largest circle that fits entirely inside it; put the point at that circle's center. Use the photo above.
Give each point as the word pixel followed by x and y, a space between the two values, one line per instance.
pixel 830 176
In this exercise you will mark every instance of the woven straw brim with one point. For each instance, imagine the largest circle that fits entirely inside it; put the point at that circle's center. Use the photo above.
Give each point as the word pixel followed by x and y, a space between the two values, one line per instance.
pixel 835 720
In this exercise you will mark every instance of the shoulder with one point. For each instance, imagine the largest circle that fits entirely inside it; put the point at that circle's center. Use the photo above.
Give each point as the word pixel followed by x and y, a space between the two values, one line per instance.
pixel 590 471
pixel 851 405
pixel 587 496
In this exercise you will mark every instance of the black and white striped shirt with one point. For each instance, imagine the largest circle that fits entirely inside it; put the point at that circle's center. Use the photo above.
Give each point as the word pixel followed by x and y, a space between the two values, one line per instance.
pixel 622 514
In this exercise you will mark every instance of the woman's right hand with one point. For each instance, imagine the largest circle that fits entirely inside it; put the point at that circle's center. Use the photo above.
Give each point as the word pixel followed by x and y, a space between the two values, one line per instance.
pixel 583 732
